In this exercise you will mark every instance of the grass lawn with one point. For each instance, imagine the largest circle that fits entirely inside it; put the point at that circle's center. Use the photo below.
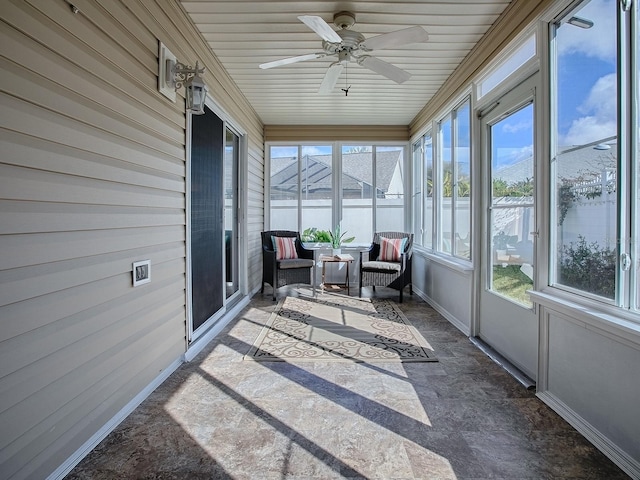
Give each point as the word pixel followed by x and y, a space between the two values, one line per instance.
pixel 511 282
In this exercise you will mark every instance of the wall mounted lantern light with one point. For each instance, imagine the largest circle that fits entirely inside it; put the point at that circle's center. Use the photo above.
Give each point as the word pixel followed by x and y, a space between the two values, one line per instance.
pixel 173 75
pixel 180 75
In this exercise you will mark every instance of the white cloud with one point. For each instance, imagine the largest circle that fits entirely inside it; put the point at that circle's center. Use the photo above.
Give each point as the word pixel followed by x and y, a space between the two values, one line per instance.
pixel 525 152
pixel 598 41
pixel 313 151
pixel 509 156
pixel 602 98
pixel 588 129
pixel 598 111
pixel 279 152
pixel 516 127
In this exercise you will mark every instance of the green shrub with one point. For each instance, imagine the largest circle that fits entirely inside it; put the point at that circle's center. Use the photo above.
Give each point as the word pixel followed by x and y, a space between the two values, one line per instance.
pixel 588 267
pixel 313 235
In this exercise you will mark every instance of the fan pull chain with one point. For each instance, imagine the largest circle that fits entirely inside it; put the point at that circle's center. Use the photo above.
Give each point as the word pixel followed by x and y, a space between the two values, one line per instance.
pixel 346 77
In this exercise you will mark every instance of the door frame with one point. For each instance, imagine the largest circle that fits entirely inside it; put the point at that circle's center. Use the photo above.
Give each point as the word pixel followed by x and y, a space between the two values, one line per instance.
pixel 235 300
pixel 515 98
pixel 239 261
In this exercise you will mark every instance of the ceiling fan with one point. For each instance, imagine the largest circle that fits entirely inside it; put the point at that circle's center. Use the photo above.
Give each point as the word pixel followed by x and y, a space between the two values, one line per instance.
pixel 350 45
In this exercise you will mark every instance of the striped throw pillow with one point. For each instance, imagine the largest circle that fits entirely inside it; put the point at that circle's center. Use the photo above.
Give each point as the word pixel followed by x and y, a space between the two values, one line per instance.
pixel 285 248
pixel 391 248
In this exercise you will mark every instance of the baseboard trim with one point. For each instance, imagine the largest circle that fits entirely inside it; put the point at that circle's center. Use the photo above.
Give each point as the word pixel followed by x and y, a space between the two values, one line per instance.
pixel 107 428
pixel 630 466
pixel 442 311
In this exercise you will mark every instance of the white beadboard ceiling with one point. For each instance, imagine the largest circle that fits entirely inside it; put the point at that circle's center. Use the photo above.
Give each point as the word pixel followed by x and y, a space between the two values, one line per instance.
pixel 244 34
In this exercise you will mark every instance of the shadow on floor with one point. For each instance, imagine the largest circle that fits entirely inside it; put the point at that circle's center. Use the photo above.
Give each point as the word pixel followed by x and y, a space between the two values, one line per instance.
pixel 463 417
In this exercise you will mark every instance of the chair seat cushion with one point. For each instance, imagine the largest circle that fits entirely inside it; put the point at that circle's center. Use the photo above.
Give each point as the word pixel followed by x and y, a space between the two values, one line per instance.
pixel 378 266
pixel 295 263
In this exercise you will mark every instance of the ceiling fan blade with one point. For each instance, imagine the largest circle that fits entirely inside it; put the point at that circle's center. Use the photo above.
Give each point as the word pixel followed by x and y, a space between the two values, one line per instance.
pixel 385 69
pixel 330 78
pixel 322 28
pixel 398 38
pixel 287 61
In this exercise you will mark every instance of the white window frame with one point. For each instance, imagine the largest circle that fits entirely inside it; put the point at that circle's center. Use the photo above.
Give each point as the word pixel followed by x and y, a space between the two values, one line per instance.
pixel 337 178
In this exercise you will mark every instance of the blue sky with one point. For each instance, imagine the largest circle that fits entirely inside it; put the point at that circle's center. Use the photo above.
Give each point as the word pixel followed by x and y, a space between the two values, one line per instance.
pixel 292 151
pixel 587 76
pixel 586 69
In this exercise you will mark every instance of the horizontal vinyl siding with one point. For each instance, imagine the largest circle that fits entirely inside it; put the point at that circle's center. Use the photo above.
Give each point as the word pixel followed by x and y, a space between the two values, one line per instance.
pixel 168 16
pixel 92 179
pixel 255 218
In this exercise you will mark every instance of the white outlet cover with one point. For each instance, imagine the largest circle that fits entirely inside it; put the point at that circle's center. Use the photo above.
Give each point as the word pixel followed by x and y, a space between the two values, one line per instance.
pixel 141 272
pixel 163 87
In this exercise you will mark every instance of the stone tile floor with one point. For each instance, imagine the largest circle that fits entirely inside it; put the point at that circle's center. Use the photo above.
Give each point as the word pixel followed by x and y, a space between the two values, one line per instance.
pixel 463 417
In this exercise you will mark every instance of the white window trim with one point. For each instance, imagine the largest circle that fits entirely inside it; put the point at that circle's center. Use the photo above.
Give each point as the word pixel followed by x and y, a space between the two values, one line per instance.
pixel 337 179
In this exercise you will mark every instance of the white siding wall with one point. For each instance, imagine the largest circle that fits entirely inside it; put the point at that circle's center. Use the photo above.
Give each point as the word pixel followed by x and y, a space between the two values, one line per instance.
pixel 92 178
pixel 255 214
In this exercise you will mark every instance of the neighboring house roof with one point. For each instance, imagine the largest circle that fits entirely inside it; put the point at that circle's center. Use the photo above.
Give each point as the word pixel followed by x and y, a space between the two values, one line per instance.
pixel 280 163
pixel 573 163
pixel 356 172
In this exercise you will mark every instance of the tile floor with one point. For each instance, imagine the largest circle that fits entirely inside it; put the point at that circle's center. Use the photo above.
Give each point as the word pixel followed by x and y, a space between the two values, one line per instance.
pixel 463 417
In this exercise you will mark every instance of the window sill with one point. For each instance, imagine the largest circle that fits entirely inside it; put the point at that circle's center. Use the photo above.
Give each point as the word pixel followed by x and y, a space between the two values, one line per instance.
pixel 452 263
pixel 346 246
pixel 624 326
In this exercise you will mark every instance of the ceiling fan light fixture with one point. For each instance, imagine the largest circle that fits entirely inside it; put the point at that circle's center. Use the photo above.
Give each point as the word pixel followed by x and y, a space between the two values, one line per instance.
pixel 351 41
pixel 344 20
pixel 351 45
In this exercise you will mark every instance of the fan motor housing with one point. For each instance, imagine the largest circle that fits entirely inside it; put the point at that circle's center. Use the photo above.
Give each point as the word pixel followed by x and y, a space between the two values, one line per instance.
pixel 350 42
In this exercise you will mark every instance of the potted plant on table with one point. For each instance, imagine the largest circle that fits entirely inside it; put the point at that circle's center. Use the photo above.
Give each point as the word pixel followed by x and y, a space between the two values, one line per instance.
pixel 500 243
pixel 337 239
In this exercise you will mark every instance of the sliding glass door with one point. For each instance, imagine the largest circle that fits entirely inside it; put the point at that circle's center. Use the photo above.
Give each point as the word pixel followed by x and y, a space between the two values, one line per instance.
pixel 213 222
pixel 205 219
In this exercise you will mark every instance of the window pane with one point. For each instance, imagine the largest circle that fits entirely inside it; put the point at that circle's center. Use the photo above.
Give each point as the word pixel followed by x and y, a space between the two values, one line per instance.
pixel 446 186
pixel 463 182
pixel 284 188
pixel 416 192
pixel 586 150
pixel 390 189
pixel 512 208
pixel 357 192
pixel 519 57
pixel 316 187
pixel 427 236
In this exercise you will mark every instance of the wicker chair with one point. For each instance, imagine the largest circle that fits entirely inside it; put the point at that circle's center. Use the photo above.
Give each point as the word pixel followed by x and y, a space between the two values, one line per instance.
pixel 396 275
pixel 279 273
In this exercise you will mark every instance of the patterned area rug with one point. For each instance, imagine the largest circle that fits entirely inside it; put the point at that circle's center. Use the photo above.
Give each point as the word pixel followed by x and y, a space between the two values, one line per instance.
pixel 339 328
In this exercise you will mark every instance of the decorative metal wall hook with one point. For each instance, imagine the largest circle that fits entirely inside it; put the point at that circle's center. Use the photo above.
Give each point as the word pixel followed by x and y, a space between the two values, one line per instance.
pixel 173 75
pixel 179 74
